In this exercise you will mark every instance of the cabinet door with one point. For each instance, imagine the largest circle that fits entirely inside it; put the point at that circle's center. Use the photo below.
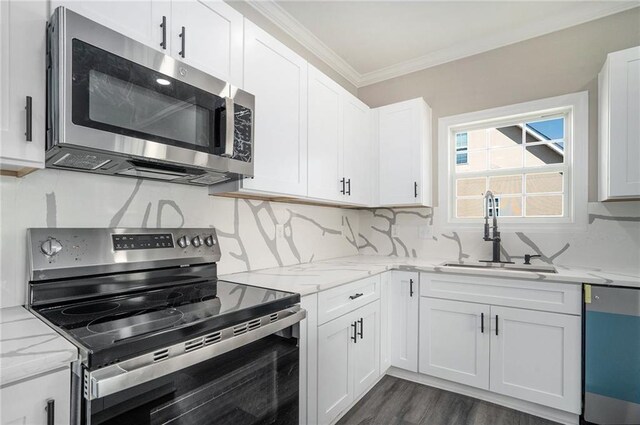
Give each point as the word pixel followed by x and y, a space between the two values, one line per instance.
pixel 278 79
pixel 22 74
pixel 453 344
pixel 366 348
pixel 624 125
pixel 25 402
pixel 140 19
pixel 404 300
pixel 535 356
pixel 212 37
pixel 385 322
pixel 357 154
pixel 335 371
pixel 325 137
pixel 399 153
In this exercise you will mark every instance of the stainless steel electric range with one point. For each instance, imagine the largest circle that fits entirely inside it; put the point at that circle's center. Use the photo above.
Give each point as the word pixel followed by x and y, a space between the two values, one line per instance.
pixel 161 339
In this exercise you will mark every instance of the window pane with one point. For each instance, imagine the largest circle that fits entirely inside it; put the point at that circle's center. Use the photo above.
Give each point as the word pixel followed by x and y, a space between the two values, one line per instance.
pixel 461 159
pixel 476 161
pixel 506 158
pixel 477 139
pixel 545 205
pixel 509 206
pixel 467 208
pixel 461 140
pixel 544 182
pixel 505 136
pixel 552 129
pixel 471 187
pixel 548 153
pixel 504 185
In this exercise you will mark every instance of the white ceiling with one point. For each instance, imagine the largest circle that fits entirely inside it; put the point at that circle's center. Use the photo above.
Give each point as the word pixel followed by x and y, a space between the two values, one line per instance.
pixel 370 41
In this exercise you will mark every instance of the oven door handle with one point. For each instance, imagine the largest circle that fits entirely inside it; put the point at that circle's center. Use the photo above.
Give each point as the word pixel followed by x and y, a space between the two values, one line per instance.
pixel 129 373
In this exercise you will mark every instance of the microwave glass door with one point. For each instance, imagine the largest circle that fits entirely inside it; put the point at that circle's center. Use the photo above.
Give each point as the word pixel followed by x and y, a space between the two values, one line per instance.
pixel 113 94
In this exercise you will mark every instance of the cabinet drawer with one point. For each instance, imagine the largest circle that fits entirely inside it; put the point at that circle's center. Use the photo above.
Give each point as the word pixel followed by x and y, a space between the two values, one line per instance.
pixel 337 301
pixel 535 295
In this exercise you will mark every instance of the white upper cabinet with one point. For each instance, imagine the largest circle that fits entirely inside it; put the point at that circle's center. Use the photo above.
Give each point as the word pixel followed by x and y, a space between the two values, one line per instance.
pixel 278 79
pixel 339 143
pixel 325 137
pixel 140 20
pixel 619 111
pixel 404 153
pixel 207 35
pixel 22 80
pixel 404 305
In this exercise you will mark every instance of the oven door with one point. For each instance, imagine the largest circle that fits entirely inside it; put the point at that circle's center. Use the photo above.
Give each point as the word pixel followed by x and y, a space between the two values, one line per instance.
pixel 256 382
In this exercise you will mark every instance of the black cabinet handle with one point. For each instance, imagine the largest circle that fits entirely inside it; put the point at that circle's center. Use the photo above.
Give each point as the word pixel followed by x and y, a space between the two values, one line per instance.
pixel 354 338
pixel 349 187
pixel 183 36
pixel 163 25
pixel 343 191
pixel 361 321
pixel 415 189
pixel 353 297
pixel 51 417
pixel 29 109
pixel 496 324
pixel 411 287
pixel 481 322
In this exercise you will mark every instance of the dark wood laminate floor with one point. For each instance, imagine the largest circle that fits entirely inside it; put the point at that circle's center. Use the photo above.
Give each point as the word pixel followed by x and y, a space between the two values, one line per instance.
pixel 394 401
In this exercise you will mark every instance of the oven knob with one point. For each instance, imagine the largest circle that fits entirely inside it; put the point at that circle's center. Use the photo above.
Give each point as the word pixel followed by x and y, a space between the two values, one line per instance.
pixel 197 241
pixel 209 240
pixel 51 247
pixel 184 241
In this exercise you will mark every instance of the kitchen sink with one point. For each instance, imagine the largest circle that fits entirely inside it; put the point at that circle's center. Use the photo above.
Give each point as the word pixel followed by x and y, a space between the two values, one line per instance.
pixel 504 266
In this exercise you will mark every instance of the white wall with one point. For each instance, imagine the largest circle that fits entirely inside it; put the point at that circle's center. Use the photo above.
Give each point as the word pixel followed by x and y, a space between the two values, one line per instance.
pixel 246 229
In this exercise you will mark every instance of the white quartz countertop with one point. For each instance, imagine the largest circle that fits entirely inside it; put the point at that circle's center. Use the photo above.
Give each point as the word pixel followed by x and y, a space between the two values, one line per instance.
pixel 29 347
pixel 318 276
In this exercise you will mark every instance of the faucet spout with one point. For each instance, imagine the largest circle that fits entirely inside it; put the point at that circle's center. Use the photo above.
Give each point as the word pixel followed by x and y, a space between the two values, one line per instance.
pixel 490 202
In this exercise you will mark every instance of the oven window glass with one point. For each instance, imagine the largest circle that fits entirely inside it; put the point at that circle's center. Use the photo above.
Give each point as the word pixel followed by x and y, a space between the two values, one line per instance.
pixel 113 94
pixel 255 384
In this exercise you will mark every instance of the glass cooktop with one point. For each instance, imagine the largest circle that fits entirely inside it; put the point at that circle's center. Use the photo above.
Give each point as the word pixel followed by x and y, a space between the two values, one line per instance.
pixel 124 326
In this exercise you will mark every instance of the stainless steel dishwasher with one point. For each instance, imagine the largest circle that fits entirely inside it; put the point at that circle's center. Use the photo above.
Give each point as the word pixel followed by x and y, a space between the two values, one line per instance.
pixel 611 355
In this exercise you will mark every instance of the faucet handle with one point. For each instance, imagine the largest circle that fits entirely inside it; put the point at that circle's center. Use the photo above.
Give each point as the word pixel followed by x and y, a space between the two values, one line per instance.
pixel 528 257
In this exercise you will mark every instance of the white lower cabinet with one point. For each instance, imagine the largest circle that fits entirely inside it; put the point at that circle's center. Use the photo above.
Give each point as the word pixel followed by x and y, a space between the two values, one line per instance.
pixel 403 316
pixel 525 354
pixel 535 356
pixel 348 359
pixel 25 402
pixel 453 343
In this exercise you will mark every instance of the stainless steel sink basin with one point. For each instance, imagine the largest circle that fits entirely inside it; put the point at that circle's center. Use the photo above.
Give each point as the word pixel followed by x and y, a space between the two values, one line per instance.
pixel 502 266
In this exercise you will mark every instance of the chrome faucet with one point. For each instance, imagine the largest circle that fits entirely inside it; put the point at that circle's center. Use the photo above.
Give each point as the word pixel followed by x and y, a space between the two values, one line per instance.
pixel 495 236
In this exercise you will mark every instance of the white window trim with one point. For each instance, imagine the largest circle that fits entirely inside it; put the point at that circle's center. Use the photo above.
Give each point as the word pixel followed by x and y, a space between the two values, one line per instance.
pixel 577 157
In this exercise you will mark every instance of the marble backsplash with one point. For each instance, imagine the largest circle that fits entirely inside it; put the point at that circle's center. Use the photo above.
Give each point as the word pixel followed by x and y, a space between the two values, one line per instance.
pixel 259 234
pixel 253 234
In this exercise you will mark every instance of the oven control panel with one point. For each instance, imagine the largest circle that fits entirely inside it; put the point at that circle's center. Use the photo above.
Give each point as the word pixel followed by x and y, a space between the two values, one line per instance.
pixel 125 241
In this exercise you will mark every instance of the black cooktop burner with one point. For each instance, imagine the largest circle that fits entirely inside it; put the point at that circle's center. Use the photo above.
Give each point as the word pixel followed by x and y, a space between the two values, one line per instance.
pixel 127 325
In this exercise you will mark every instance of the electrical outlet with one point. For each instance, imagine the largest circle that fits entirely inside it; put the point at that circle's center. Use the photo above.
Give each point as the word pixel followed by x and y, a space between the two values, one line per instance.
pixel 279 231
pixel 424 232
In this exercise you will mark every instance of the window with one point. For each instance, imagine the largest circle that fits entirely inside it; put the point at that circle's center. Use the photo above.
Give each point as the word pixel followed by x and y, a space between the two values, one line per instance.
pixel 525 154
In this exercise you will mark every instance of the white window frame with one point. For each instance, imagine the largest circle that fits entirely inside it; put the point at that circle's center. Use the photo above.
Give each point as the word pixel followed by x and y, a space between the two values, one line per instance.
pixel 576 108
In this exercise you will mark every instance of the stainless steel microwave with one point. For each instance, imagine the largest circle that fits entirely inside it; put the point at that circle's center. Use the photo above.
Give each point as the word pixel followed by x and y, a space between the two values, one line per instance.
pixel 116 106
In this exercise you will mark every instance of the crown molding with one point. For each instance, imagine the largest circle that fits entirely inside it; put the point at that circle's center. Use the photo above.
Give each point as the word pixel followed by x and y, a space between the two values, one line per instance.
pixel 281 18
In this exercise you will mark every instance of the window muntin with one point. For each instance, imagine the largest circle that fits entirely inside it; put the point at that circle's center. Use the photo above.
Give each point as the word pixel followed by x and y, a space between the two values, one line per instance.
pixel 522 161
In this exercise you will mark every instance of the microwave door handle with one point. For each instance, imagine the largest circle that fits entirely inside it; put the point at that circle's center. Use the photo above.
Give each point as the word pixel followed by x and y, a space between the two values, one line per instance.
pixel 230 127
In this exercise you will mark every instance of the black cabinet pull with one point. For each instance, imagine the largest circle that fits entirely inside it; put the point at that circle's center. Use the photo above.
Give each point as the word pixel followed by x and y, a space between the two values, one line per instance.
pixel 349 187
pixel 354 338
pixel 51 417
pixel 361 321
pixel 481 322
pixel 415 189
pixel 411 287
pixel 183 36
pixel 163 25
pixel 496 324
pixel 343 191
pixel 353 297
pixel 29 109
